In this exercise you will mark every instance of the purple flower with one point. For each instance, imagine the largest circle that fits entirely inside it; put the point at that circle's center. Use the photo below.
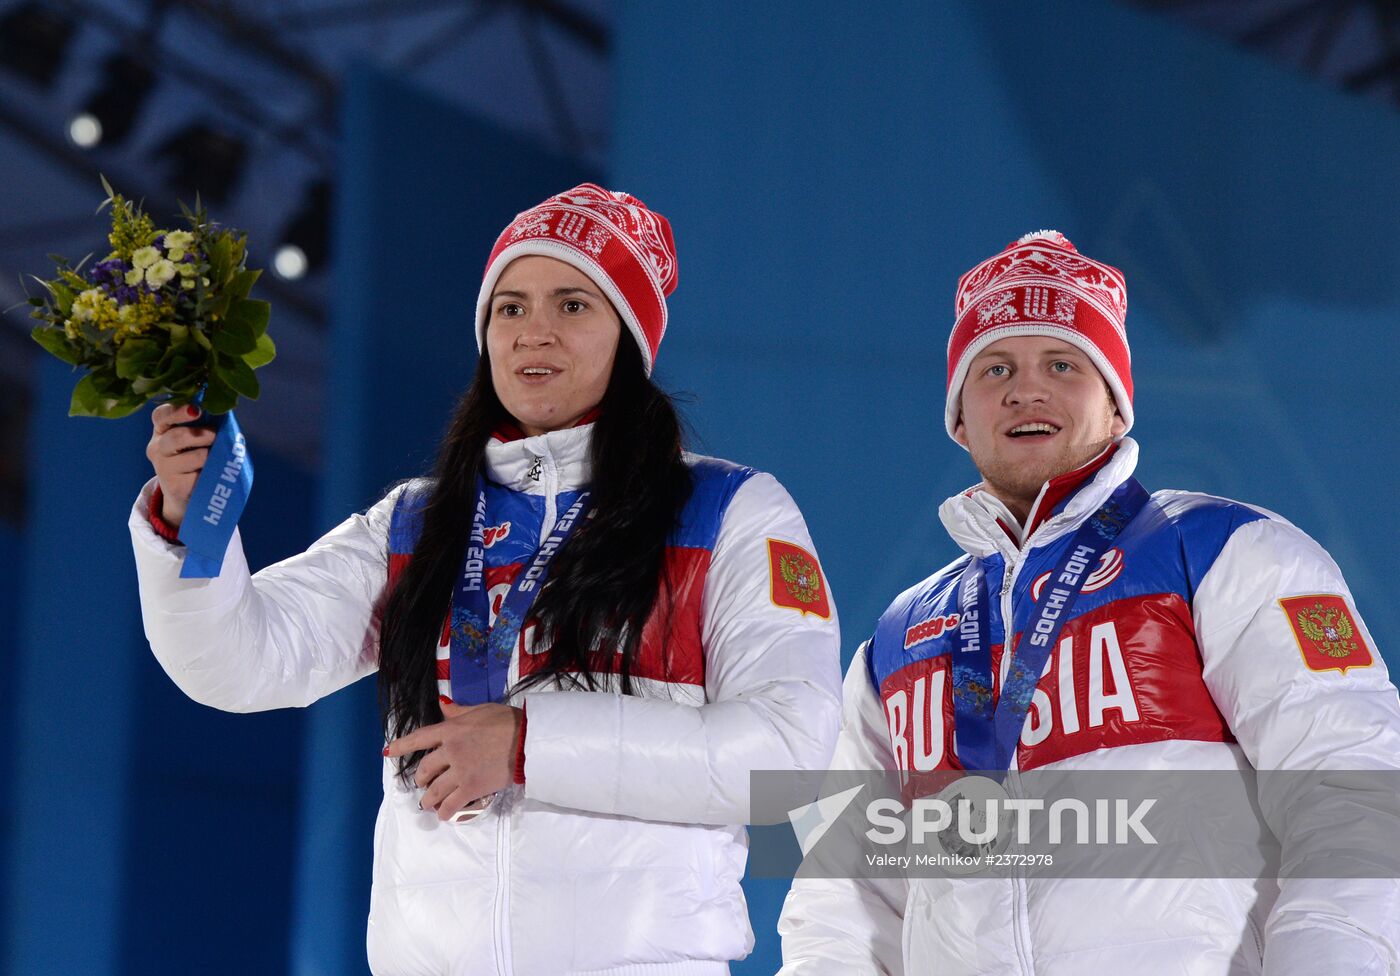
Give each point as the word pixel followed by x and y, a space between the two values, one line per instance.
pixel 108 273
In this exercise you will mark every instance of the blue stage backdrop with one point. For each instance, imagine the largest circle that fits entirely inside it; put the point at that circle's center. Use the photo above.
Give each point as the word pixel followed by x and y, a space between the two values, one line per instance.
pixel 831 168
pixel 143 828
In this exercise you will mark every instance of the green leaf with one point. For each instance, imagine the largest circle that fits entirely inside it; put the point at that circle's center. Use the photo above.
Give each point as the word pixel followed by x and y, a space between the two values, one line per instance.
pixel 135 356
pixel 216 309
pixel 114 409
pixel 219 252
pixel 235 336
pixel 201 338
pixel 237 374
pixel 256 313
pixel 63 298
pixel 86 401
pixel 242 283
pixel 107 383
pixel 56 342
pixel 218 397
pixel 265 353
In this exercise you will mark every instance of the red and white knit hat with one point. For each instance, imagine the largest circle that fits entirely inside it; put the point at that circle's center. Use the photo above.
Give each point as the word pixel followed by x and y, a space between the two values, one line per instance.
pixel 1040 285
pixel 624 248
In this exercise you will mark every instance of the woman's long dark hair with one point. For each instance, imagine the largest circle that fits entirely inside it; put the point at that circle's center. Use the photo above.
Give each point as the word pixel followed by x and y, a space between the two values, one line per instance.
pixel 604 584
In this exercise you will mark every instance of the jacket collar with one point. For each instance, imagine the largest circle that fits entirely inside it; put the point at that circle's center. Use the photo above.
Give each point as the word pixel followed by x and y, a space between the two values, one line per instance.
pixel 971 517
pixel 547 463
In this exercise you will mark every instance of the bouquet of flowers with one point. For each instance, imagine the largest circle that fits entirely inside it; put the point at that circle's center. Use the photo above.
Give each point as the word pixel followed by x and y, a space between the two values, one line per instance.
pixel 165 315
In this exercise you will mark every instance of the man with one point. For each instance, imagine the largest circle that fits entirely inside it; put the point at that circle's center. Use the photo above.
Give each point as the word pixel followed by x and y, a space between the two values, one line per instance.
pixel 1175 631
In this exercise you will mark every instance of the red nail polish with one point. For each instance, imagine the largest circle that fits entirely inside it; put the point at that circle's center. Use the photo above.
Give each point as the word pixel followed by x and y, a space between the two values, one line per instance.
pixel 386 750
pixel 194 411
pixel 444 700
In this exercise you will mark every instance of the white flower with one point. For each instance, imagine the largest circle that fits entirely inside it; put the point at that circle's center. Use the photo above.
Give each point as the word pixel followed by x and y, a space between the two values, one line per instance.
pixel 176 254
pixel 187 283
pixel 144 257
pixel 187 271
pixel 134 276
pixel 160 273
pixel 178 240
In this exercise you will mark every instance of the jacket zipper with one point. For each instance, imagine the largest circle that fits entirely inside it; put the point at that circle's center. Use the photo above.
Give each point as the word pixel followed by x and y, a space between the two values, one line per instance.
pixel 1020 895
pixel 504 964
pixel 504 961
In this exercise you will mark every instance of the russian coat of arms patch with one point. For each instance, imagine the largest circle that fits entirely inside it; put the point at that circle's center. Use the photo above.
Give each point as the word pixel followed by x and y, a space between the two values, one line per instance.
pixel 1326 631
pixel 795 579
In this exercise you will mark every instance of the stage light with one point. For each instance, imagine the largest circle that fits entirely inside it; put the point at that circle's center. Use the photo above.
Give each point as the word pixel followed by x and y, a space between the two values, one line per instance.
pixel 290 262
pixel 204 160
pixel 305 243
pixel 85 130
pixel 33 41
pixel 126 83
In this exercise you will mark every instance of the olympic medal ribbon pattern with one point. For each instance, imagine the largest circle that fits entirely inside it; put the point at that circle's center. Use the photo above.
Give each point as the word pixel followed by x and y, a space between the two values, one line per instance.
pixel 219 495
pixel 480 652
pixel 988 725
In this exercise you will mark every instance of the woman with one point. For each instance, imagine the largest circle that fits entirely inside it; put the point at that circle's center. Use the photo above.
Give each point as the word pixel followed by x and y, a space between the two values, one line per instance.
pixel 678 633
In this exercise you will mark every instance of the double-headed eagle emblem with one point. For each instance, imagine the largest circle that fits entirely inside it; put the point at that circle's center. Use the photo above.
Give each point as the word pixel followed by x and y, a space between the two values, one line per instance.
pixel 801 577
pixel 1329 628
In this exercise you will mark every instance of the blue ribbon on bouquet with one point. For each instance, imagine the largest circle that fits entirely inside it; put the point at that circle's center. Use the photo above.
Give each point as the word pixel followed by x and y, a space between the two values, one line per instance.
pixel 218 499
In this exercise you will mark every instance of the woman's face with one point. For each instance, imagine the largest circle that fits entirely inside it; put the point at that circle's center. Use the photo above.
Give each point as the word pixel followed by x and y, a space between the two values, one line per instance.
pixel 552 336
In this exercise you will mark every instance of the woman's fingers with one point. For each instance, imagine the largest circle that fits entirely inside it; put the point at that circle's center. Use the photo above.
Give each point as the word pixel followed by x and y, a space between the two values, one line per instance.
pixel 167 415
pixel 442 787
pixel 459 800
pixel 189 462
pixel 180 439
pixel 430 767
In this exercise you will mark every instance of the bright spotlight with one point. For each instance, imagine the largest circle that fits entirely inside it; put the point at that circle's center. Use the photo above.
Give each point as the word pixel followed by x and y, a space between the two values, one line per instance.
pixel 290 262
pixel 85 129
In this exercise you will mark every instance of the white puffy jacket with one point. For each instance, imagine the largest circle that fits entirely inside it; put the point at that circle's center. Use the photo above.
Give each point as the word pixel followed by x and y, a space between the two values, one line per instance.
pixel 623 852
pixel 1189 616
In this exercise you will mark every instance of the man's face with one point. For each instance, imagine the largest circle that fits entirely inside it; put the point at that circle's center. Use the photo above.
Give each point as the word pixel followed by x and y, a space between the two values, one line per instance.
pixel 1033 407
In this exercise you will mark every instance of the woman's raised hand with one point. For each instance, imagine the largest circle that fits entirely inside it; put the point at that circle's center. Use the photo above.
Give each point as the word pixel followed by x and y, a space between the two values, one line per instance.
pixel 178 455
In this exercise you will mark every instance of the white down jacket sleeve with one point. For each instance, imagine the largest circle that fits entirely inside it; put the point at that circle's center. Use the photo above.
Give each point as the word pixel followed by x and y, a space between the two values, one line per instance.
pixel 849 926
pixel 294 632
pixel 1289 716
pixel 772 696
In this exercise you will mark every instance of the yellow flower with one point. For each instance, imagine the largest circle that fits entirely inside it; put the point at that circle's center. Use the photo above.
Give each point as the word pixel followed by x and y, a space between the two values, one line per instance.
pixel 175 254
pixel 160 273
pixel 134 276
pixel 187 271
pixel 187 284
pixel 178 240
pixel 87 303
pixel 93 306
pixel 144 257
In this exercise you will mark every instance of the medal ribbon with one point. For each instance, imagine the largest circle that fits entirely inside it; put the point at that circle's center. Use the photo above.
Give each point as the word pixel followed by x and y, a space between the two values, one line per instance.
pixel 480 652
pixel 987 733
pixel 218 498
